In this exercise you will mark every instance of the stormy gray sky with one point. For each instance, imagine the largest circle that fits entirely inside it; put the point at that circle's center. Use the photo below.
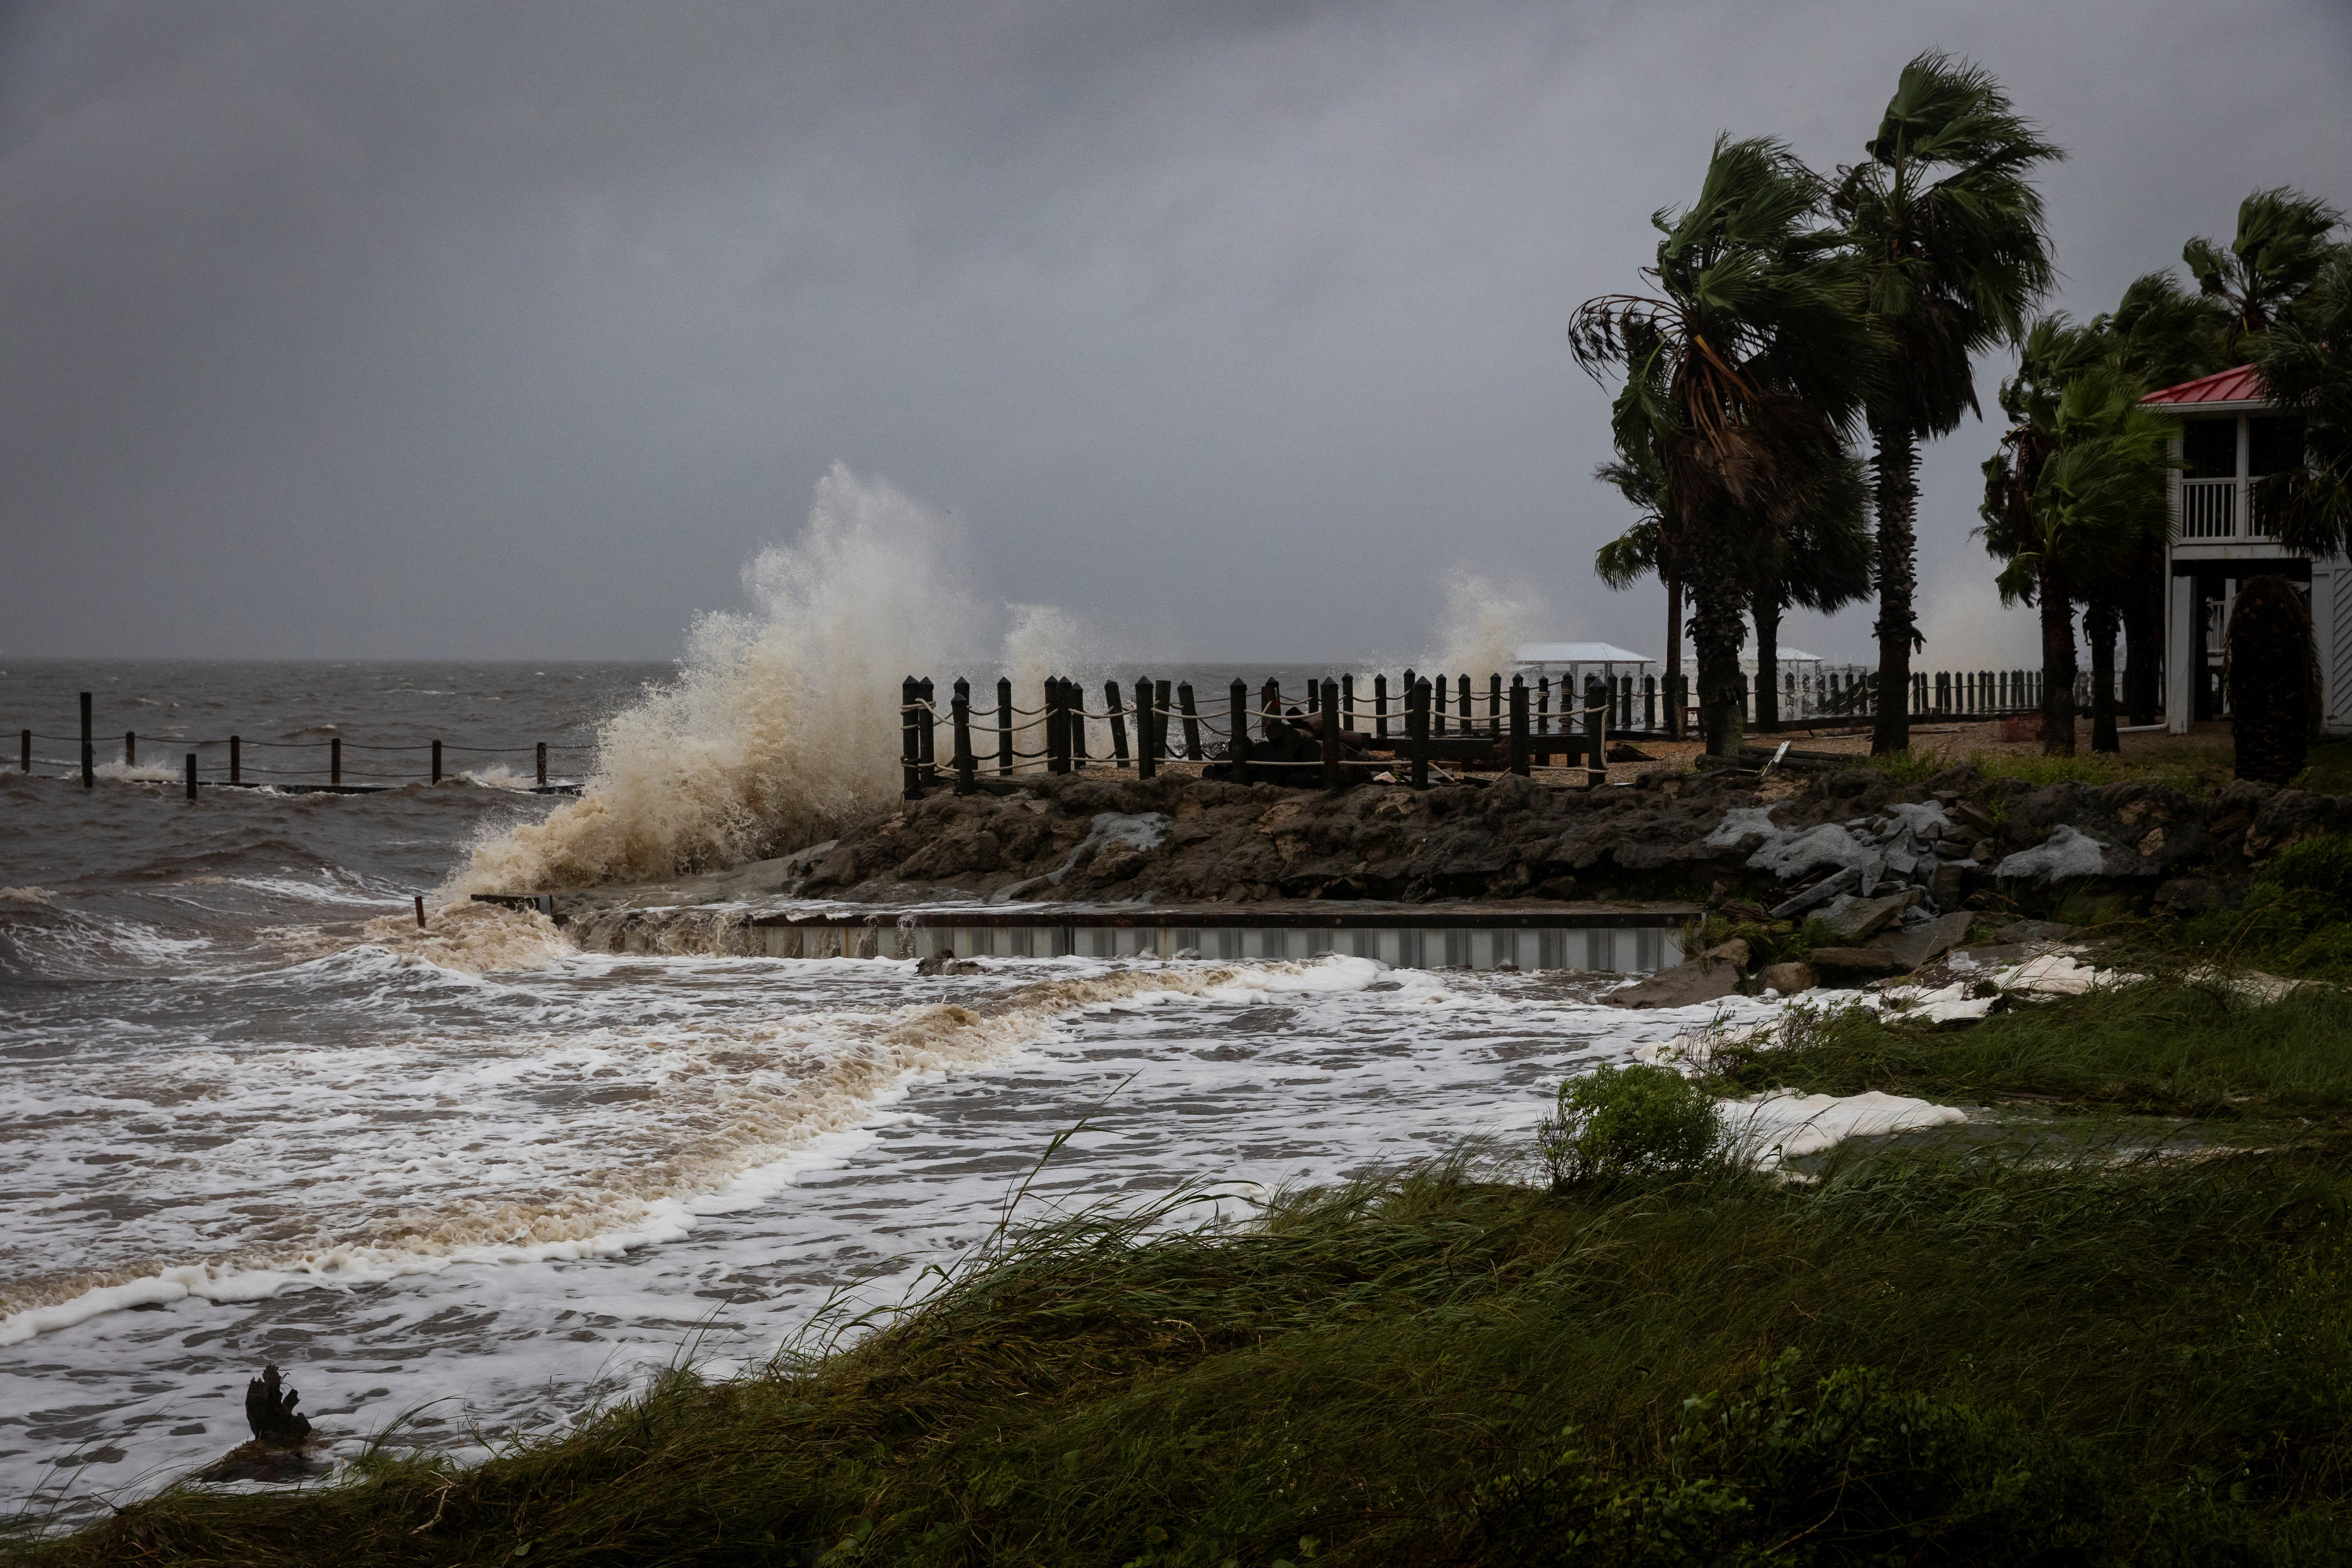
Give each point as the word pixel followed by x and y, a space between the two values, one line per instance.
pixel 384 329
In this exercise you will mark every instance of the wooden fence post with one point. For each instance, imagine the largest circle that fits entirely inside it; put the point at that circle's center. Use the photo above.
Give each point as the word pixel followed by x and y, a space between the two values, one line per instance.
pixel 1163 706
pixel 232 759
pixel 1147 761
pixel 1462 691
pixel 1237 736
pixel 1519 725
pixel 1649 702
pixel 1003 726
pixel 192 775
pixel 1330 733
pixel 89 760
pixel 237 759
pixel 1314 699
pixel 542 764
pixel 1380 707
pixel 1348 701
pixel 1076 694
pixel 927 718
pixel 1269 701
pixel 335 761
pixel 1495 706
pixel 1117 723
pixel 910 749
pixel 1193 752
pixel 966 765
pixel 130 748
pixel 1416 729
pixel 1543 706
pixel 1437 715
pixel 25 750
pixel 1596 734
pixel 1058 728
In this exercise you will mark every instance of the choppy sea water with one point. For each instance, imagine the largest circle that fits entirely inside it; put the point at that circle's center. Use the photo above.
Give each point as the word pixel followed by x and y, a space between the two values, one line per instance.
pixel 479 1181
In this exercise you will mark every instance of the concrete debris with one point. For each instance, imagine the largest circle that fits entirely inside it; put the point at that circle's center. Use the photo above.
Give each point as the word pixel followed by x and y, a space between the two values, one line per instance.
pixel 2067 852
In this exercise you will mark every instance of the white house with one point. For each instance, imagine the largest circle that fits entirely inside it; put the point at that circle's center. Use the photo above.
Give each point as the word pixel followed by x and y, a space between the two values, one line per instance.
pixel 2230 436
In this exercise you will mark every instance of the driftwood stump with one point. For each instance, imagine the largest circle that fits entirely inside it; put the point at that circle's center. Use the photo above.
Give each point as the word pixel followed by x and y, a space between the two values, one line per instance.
pixel 269 1410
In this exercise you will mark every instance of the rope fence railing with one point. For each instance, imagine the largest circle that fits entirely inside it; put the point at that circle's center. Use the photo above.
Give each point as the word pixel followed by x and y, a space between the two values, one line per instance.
pixel 238 767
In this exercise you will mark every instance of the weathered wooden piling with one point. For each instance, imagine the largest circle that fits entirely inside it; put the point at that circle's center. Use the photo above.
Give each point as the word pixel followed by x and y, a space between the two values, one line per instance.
pixel 1333 778
pixel 1003 726
pixel 1237 731
pixel 1269 703
pixel 1543 706
pixel 130 748
pixel 1147 750
pixel 1416 729
pixel 1076 695
pixel 910 749
pixel 926 719
pixel 1467 715
pixel 232 759
pixel 1437 691
pixel 1058 728
pixel 967 766
pixel 24 750
pixel 420 911
pixel 335 761
pixel 1117 723
pixel 1519 725
pixel 237 759
pixel 1163 697
pixel 89 758
pixel 1380 707
pixel 192 775
pixel 1348 701
pixel 1193 752
pixel 540 760
pixel 1495 707
pixel 1596 733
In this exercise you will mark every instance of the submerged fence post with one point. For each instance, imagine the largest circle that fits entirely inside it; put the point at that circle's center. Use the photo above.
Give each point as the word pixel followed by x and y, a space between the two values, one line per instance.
pixel 542 761
pixel 192 775
pixel 910 749
pixel 24 750
pixel 1191 723
pixel 1146 760
pixel 1237 745
pixel 1380 707
pixel 1330 733
pixel 237 759
pixel 966 765
pixel 88 760
pixel 1416 730
pixel 130 748
pixel 232 761
pixel 1004 726
pixel 1117 723
pixel 1519 725
pixel 335 761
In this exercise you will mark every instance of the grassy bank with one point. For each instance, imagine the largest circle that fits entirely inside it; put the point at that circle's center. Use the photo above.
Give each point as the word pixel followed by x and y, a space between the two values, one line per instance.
pixel 2024 1365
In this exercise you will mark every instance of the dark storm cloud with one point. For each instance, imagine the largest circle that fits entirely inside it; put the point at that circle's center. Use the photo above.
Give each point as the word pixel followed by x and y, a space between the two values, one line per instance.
pixel 382 329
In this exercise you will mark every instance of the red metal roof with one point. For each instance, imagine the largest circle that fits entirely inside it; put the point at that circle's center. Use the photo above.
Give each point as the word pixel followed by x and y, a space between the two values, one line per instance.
pixel 2239 385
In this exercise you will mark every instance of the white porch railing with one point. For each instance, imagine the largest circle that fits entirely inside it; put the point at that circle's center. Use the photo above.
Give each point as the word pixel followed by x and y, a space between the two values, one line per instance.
pixel 2219 509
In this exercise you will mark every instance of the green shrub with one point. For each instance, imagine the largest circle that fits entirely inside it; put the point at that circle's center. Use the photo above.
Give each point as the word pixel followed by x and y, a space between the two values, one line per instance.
pixel 2297 916
pixel 1626 1122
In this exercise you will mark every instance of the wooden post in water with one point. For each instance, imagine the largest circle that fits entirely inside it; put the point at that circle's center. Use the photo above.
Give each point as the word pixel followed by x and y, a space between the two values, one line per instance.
pixel 910 749
pixel 1237 745
pixel 237 759
pixel 1117 723
pixel 232 759
pixel 1193 752
pixel 1495 706
pixel 541 761
pixel 967 766
pixel 1330 733
pixel 88 760
pixel 927 719
pixel 1379 708
pixel 24 750
pixel 130 748
pixel 192 775
pixel 1003 727
pixel 420 911
pixel 1416 730
pixel 1519 725
pixel 335 761
pixel 1147 750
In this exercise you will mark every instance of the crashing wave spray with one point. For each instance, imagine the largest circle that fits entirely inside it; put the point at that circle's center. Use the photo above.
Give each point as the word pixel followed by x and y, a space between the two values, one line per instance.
pixel 781 727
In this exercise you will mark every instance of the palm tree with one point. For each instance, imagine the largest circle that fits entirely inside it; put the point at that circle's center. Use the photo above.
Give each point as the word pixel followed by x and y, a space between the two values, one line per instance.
pixel 2056 351
pixel 2274 673
pixel 1643 548
pixel 1744 374
pixel 2281 244
pixel 2306 361
pixel 1819 562
pixel 1946 224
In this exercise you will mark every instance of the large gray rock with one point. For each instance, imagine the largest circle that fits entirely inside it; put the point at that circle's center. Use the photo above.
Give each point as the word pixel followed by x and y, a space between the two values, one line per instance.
pixel 1685 985
pixel 1854 920
pixel 1788 979
pixel 1926 943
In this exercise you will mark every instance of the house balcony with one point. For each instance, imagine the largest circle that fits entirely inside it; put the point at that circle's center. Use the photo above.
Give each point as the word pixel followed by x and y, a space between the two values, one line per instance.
pixel 2221 509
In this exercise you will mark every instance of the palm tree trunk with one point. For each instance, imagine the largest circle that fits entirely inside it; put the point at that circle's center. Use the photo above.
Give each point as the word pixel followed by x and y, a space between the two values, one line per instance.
pixel 2057 667
pixel 1716 629
pixel 1674 658
pixel 1766 611
pixel 1896 463
pixel 2143 612
pixel 2100 625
